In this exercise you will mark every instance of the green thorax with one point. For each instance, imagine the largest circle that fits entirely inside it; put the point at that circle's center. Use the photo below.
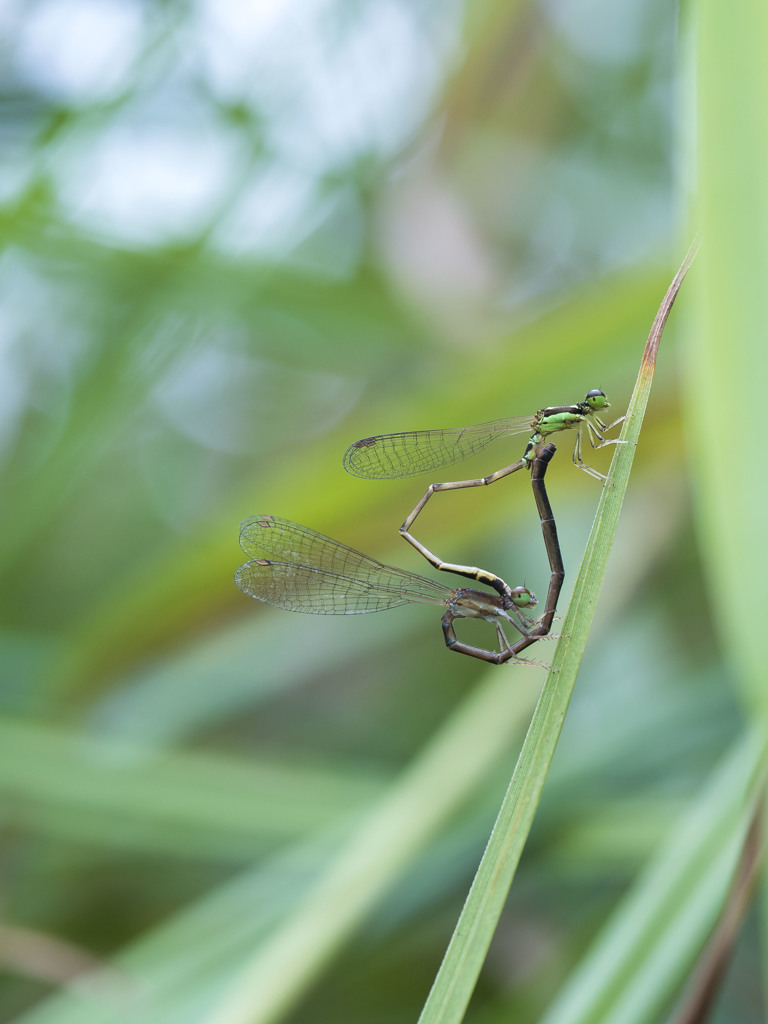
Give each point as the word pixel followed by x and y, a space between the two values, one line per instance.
pixel 564 417
pixel 549 421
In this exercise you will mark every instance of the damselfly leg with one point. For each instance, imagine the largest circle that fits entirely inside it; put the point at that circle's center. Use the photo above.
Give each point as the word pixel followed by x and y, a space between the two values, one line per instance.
pixel 595 429
pixel 472 572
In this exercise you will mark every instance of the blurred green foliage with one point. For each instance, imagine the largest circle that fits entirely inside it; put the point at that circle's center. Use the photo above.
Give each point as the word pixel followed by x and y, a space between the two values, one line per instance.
pixel 236 238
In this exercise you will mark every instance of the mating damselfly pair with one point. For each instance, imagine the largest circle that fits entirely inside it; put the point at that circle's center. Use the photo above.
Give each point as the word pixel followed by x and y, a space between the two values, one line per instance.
pixel 298 569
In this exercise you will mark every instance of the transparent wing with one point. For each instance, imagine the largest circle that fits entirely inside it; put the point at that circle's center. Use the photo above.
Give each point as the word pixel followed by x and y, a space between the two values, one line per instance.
pixel 387 456
pixel 301 570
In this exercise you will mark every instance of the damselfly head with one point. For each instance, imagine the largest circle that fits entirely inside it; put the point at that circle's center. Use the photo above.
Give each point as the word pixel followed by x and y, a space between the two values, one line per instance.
pixel 522 597
pixel 596 400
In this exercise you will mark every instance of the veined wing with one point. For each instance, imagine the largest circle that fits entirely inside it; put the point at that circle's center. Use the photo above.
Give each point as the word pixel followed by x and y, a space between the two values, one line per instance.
pixel 387 456
pixel 304 588
pixel 299 569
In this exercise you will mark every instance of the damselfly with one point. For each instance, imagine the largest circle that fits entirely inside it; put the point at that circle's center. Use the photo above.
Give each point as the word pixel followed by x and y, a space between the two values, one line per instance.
pixel 388 456
pixel 298 569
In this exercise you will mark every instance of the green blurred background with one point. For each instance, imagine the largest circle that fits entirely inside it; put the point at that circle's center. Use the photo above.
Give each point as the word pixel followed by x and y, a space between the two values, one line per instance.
pixel 236 238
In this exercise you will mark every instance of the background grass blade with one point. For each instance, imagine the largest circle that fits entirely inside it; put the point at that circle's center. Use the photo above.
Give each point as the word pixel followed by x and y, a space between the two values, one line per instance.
pixel 466 953
pixel 727 358
pixel 430 790
pixel 647 948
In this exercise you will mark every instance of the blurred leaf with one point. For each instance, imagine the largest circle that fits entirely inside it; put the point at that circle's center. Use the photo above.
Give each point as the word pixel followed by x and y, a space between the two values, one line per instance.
pixel 187 805
pixel 724 362
pixel 644 953
pixel 440 779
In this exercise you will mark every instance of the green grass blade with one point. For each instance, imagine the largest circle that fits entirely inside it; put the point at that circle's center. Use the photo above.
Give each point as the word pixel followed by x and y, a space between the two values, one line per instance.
pixel 466 953
pixel 727 359
pixel 64 785
pixel 637 963
pixel 432 788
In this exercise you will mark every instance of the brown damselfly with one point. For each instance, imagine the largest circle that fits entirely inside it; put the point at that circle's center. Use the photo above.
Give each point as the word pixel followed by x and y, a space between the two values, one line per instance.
pixel 300 570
